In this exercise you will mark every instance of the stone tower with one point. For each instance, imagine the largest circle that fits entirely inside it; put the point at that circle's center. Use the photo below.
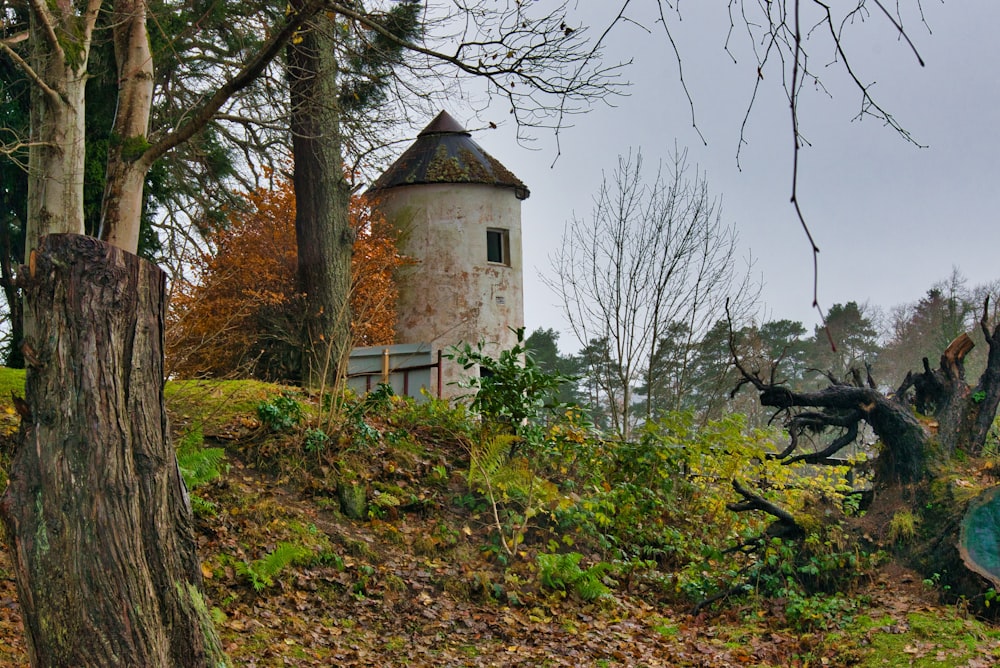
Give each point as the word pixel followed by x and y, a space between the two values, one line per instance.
pixel 458 212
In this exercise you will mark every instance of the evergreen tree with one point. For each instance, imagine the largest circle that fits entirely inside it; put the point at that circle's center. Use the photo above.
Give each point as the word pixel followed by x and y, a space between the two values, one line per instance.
pixel 848 341
pixel 925 328
pixel 542 346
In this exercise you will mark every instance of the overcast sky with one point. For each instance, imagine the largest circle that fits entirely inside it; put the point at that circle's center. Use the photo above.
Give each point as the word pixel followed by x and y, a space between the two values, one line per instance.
pixel 890 218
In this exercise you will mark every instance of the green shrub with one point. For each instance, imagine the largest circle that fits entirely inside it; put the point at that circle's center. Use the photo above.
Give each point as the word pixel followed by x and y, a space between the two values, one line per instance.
pixel 818 612
pixel 512 392
pixel 281 413
pixel 315 441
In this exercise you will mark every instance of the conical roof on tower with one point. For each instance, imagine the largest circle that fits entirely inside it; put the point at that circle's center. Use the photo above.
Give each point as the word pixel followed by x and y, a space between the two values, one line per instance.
pixel 444 152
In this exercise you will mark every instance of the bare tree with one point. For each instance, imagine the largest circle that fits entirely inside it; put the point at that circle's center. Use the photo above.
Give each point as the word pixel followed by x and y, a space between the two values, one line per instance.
pixel 651 254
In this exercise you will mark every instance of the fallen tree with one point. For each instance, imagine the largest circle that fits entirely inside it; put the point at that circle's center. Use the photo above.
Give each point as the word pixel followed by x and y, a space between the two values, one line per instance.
pixel 929 459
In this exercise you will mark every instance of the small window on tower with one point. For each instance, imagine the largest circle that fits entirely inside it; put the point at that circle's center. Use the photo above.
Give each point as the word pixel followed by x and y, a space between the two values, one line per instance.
pixel 498 246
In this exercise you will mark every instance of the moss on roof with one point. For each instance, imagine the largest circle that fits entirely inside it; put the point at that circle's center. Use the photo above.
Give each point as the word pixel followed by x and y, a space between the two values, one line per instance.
pixel 445 153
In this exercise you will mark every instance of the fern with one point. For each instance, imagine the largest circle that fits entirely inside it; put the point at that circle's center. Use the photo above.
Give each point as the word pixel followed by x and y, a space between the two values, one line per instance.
pixel 590 585
pixel 493 467
pixel 503 478
pixel 557 571
pixel 488 456
pixel 201 466
pixel 262 572
pixel 562 572
pixel 198 464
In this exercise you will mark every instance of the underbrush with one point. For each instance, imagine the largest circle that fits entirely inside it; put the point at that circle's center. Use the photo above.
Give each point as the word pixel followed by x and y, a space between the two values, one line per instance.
pixel 564 509
pixel 649 517
pixel 464 513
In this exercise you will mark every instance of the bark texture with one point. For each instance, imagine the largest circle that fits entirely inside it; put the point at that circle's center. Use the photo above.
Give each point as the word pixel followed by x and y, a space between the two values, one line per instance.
pixel 322 226
pixel 96 511
pixel 60 46
pixel 903 456
pixel 128 163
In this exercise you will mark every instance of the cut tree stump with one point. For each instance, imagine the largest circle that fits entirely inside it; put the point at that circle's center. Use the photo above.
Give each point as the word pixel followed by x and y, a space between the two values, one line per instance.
pixel 96 512
pixel 979 542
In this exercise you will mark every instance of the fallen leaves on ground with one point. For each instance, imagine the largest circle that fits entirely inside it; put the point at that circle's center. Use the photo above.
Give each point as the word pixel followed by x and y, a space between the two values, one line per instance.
pixel 418 590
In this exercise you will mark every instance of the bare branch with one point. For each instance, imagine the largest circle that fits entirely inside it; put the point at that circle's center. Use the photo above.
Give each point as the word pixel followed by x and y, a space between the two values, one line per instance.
pixel 203 115
pixel 535 56
pixel 899 28
pixel 29 72
pixel 680 71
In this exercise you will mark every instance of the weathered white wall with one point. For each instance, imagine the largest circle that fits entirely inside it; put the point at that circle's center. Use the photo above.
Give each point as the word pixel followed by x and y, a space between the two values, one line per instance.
pixel 452 293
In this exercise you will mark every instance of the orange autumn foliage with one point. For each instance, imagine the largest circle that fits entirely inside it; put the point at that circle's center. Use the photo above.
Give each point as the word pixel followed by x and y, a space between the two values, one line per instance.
pixel 239 316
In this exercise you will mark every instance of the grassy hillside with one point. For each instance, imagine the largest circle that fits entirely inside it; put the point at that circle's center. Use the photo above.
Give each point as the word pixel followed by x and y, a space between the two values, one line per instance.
pixel 473 547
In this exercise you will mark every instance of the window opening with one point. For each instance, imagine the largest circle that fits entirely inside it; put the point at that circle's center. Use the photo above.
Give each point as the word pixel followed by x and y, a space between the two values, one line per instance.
pixel 498 246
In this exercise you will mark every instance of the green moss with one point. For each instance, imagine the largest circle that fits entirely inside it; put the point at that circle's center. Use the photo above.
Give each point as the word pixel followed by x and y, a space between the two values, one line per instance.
pixel 213 646
pixel 134 147
pixel 937 640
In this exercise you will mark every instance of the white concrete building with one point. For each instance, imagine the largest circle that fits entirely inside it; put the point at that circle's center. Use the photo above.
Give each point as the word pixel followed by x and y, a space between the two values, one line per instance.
pixel 458 211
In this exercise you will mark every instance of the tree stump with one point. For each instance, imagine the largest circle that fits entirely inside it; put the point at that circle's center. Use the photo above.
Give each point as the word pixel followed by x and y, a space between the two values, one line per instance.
pixel 96 512
pixel 979 540
pixel 353 499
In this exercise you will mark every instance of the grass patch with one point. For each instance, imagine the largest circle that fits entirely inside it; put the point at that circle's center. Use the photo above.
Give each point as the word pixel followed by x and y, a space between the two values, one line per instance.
pixel 11 380
pixel 944 638
pixel 214 403
pixel 218 405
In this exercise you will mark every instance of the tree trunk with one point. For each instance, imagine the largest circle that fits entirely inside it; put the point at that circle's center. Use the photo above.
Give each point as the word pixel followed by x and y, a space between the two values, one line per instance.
pixel 127 165
pixel 903 458
pixel 964 414
pixel 96 511
pixel 57 151
pixel 322 226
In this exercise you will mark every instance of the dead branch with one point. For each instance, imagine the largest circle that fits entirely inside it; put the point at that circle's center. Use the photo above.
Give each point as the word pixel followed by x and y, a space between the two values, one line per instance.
pixel 785 524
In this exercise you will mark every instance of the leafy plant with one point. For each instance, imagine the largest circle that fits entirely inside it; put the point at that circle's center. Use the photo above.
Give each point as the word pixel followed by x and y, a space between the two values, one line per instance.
pixel 316 441
pixel 511 390
pixel 504 458
pixel 511 485
pixel 810 613
pixel 280 413
pixel 262 572
pixel 198 465
pixel 562 572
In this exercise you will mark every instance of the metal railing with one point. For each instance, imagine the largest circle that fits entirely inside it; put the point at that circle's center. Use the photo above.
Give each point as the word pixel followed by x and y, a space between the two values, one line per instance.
pixel 405 367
